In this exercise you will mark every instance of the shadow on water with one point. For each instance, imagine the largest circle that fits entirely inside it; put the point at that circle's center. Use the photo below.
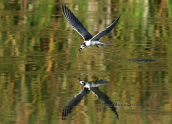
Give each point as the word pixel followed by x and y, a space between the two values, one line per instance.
pixel 89 86
pixel 141 60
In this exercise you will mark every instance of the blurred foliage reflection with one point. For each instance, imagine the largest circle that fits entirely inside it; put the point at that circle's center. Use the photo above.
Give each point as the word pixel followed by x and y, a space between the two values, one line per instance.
pixel 39 62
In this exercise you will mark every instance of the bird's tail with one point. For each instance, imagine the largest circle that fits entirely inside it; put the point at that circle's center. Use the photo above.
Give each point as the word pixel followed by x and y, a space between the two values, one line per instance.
pixel 104 45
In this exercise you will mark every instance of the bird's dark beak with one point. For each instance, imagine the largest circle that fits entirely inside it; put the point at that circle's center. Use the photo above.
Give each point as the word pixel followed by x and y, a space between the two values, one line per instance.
pixel 79 78
pixel 79 50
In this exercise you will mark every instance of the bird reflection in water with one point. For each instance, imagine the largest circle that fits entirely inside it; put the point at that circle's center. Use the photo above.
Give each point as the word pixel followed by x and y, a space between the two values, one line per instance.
pixel 89 86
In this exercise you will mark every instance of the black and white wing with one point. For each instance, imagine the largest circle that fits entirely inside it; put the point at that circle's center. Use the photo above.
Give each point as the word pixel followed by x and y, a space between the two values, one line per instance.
pixel 102 82
pixel 76 24
pixel 97 83
pixel 74 102
pixel 105 31
pixel 105 99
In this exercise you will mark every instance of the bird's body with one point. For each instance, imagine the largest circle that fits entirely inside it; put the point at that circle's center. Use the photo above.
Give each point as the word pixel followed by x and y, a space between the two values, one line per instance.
pixel 94 43
pixel 91 84
pixel 89 40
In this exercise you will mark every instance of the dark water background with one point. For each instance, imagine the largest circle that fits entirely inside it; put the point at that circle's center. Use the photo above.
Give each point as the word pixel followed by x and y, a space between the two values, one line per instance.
pixel 39 62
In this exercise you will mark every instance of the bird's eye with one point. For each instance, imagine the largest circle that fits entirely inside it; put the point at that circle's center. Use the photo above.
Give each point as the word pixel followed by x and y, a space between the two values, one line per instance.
pixel 82 83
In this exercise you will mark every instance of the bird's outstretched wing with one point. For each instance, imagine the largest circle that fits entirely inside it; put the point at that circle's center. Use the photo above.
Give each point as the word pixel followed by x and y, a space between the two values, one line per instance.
pixel 105 99
pixel 74 102
pixel 105 31
pixel 102 82
pixel 76 24
pixel 97 83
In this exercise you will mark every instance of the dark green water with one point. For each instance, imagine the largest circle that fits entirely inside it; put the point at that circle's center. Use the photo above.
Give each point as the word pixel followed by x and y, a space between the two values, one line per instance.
pixel 40 64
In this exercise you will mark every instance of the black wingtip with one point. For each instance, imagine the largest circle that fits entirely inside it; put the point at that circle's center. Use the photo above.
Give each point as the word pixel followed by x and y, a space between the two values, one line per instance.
pixel 79 51
pixel 63 118
pixel 117 116
pixel 63 115
pixel 79 78
pixel 63 5
pixel 119 17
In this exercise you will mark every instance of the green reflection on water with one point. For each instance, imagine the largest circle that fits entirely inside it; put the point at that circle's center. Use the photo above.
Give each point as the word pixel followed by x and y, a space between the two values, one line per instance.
pixel 39 64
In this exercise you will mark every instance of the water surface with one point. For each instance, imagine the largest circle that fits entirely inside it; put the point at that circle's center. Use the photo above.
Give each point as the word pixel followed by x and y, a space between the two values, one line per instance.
pixel 40 65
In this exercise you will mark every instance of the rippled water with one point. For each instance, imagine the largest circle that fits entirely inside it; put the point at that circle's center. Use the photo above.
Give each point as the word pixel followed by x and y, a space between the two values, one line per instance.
pixel 40 64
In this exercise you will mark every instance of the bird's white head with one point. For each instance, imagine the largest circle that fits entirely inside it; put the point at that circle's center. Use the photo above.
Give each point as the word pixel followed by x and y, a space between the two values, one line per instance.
pixel 82 47
pixel 82 83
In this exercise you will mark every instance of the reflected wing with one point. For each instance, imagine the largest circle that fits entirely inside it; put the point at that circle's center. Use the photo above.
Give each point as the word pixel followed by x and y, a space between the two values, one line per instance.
pixel 101 82
pixel 76 24
pixel 105 99
pixel 74 102
pixel 105 31
pixel 97 83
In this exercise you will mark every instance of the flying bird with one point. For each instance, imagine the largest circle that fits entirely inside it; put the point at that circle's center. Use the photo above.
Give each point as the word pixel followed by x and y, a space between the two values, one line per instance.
pixel 89 40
